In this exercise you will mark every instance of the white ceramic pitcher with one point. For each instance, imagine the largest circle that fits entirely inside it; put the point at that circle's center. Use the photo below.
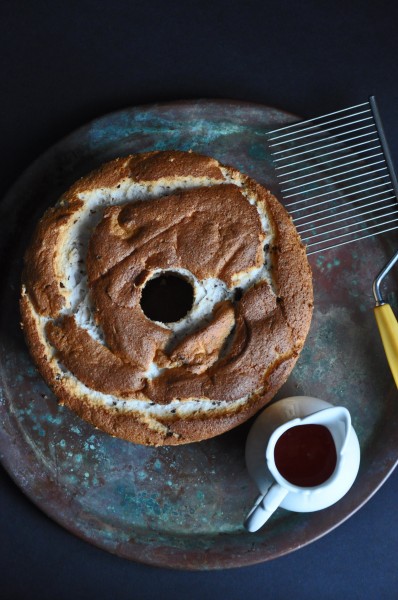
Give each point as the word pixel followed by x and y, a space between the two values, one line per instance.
pixel 283 492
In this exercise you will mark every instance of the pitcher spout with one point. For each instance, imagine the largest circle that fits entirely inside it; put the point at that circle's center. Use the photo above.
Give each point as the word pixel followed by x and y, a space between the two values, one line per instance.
pixel 338 420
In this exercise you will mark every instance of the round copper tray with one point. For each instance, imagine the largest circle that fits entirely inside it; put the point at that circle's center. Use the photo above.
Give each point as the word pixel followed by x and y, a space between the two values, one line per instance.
pixel 184 507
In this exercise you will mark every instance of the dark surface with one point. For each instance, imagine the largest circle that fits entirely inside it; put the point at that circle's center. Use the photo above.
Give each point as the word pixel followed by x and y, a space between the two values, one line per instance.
pixel 66 63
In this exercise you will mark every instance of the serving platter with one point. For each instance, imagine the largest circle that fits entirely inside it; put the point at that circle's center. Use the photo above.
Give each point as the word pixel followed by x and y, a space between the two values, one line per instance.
pixel 184 507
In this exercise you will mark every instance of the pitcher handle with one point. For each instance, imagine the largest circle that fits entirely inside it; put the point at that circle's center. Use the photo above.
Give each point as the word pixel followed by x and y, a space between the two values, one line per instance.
pixel 264 506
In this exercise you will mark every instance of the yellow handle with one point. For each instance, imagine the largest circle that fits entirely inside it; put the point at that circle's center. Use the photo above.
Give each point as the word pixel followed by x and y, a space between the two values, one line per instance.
pixel 388 328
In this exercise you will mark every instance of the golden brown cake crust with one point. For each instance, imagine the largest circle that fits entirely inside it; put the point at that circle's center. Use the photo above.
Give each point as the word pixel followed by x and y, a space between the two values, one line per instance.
pixel 208 227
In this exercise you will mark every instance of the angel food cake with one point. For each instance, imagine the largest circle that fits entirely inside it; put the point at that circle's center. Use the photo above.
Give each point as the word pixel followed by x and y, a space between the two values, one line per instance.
pixel 166 297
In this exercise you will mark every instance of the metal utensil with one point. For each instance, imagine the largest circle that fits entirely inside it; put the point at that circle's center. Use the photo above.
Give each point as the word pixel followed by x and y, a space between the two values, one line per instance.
pixel 336 176
pixel 386 321
pixel 338 182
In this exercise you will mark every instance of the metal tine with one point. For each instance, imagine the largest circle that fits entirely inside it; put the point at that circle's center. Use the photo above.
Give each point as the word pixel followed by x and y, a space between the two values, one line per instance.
pixel 388 214
pixel 356 239
pixel 338 181
pixel 323 125
pixel 327 162
pixel 336 112
pixel 351 162
pixel 352 203
pixel 334 181
pixel 356 137
pixel 337 237
pixel 345 149
pixel 347 187
pixel 321 130
pixel 355 207
pixel 336 199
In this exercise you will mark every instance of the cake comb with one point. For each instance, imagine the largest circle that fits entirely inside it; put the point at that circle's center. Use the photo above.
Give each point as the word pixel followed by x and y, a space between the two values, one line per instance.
pixel 338 182
pixel 336 176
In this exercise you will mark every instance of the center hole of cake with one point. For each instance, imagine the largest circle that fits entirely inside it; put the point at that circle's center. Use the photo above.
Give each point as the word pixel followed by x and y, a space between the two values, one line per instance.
pixel 167 298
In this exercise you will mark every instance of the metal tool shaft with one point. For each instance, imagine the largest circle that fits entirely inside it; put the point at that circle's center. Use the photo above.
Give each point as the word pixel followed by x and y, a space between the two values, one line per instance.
pixel 379 278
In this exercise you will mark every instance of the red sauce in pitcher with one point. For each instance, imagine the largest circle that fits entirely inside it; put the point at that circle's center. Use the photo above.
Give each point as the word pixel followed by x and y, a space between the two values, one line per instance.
pixel 305 455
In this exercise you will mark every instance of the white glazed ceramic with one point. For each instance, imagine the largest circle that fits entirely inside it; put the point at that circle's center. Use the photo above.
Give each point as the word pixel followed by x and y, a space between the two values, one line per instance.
pixel 275 491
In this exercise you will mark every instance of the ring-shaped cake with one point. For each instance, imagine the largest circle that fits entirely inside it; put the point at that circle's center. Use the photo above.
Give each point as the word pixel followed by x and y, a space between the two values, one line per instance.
pixel 166 215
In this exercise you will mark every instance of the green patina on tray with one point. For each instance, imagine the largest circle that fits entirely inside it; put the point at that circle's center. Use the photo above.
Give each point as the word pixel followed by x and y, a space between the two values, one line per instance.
pixel 184 506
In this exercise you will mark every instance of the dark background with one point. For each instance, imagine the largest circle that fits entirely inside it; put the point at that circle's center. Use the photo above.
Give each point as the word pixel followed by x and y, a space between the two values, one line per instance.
pixel 65 63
